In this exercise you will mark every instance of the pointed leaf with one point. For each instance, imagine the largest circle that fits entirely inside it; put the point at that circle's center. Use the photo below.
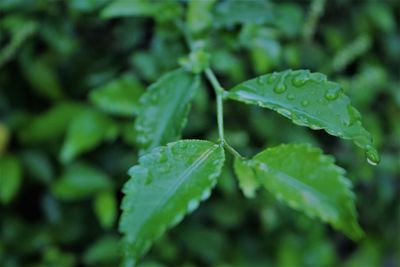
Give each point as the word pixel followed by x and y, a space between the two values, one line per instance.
pixel 165 108
pixel 119 97
pixel 308 181
pixel 85 132
pixel 123 8
pixel 10 178
pixel 168 183
pixel 79 181
pixel 248 181
pixel 308 99
pixel 58 116
pixel 105 207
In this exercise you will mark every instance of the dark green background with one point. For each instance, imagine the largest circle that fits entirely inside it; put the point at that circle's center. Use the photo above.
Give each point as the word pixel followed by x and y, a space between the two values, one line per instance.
pixel 53 54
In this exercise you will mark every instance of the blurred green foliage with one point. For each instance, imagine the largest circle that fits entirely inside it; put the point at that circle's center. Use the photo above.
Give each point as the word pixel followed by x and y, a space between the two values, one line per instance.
pixel 70 76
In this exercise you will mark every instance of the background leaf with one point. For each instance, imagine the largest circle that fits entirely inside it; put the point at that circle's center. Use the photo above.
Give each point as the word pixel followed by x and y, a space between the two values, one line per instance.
pixel 168 183
pixel 85 132
pixel 308 99
pixel 10 178
pixel 165 108
pixel 119 97
pixel 58 117
pixel 307 180
pixel 105 207
pixel 79 181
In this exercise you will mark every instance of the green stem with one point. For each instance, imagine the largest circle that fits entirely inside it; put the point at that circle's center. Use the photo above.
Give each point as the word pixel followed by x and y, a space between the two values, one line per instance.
pixel 219 91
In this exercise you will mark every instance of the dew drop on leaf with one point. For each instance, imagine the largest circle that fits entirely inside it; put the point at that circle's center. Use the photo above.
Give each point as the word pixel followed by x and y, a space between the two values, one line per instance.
pixel 300 79
pixel 305 103
pixel 280 88
pixel 290 97
pixel 332 93
pixel 372 156
pixel 272 78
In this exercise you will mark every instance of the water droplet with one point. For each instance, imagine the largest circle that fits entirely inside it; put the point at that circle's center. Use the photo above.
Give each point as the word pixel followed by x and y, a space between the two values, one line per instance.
pixel 280 88
pixel 318 77
pixel 354 116
pixel 333 93
pixel 372 156
pixel 305 103
pixel 153 97
pixel 272 77
pixel 260 80
pixel 301 79
pixel 290 97
pixel 166 168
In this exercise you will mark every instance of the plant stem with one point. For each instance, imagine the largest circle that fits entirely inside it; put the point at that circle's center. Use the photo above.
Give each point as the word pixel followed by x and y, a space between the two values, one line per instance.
pixel 220 109
pixel 219 93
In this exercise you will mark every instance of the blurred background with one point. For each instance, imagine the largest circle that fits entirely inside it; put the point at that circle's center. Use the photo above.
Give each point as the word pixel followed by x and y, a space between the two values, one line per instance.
pixel 71 74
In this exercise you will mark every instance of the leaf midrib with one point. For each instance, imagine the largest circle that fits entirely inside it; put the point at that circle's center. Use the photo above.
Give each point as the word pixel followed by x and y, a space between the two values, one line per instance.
pixel 296 183
pixel 181 178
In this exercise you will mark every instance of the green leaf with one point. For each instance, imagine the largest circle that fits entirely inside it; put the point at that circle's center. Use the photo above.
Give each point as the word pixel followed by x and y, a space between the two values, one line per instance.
pixel 247 178
pixel 165 108
pixel 308 181
pixel 10 178
pixel 42 76
pixel 59 117
pixel 122 8
pixel 229 13
pixel 198 16
pixel 79 181
pixel 308 99
pixel 4 138
pixel 160 10
pixel 104 251
pixel 105 207
pixel 85 132
pixel 119 97
pixel 168 183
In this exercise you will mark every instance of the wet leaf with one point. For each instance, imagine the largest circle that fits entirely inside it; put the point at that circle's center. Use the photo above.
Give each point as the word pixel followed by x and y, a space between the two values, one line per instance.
pixel 308 99
pixel 165 108
pixel 308 181
pixel 168 183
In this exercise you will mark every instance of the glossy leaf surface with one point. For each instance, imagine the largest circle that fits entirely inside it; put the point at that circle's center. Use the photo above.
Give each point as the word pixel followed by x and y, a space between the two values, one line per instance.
pixel 308 181
pixel 165 108
pixel 308 99
pixel 168 183
pixel 119 97
pixel 246 176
